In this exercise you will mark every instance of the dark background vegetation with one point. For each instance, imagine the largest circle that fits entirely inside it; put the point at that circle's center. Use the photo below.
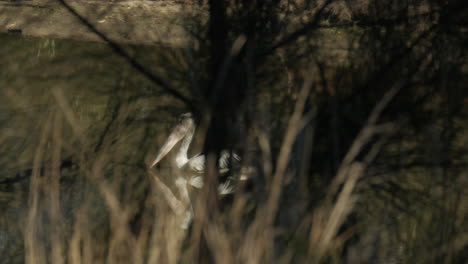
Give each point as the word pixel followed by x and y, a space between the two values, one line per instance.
pixel 354 113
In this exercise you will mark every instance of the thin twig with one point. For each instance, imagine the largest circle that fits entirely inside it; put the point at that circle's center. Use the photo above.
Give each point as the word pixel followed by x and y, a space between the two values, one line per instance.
pixel 132 61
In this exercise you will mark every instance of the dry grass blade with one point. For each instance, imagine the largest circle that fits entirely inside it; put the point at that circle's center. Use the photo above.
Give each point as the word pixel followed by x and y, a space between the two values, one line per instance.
pixel 35 251
pixel 329 218
pixel 54 194
pixel 175 204
pixel 258 243
pixel 368 130
pixel 295 124
pixel 68 113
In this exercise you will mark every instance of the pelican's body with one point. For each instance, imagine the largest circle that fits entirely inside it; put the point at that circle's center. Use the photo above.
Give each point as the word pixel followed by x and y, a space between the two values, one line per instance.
pixel 196 164
pixel 192 168
pixel 185 131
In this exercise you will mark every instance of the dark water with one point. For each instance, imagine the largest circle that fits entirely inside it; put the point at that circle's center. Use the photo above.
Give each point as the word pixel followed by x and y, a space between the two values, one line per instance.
pixel 105 109
pixel 40 78
pixel 103 105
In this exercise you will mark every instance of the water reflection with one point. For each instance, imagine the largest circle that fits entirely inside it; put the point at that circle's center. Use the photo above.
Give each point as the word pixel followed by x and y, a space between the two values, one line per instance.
pixel 101 103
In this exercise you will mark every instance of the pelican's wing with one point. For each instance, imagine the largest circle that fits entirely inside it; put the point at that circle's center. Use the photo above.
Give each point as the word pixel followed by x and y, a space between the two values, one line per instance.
pixel 197 163
pixel 227 161
pixel 226 187
pixel 196 182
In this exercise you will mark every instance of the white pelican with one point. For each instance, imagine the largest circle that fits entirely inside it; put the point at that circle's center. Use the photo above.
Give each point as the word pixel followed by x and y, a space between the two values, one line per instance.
pixel 191 170
pixel 194 167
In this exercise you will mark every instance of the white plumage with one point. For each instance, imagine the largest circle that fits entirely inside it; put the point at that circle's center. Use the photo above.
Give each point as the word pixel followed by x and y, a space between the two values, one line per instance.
pixel 194 167
pixel 191 170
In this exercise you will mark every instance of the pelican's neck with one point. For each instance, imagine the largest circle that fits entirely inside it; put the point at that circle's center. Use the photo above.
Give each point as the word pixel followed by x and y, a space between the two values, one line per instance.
pixel 182 156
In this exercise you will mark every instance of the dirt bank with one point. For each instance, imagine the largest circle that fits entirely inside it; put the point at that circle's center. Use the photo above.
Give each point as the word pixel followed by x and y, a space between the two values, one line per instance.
pixel 145 22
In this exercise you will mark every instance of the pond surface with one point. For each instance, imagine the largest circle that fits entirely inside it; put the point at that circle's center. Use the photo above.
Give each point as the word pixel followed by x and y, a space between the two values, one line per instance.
pixel 79 127
pixel 37 74
pixel 94 101
pixel 90 85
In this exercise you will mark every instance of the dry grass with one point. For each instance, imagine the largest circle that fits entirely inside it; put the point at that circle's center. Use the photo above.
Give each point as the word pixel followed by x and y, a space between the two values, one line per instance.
pixel 228 236
pixel 134 214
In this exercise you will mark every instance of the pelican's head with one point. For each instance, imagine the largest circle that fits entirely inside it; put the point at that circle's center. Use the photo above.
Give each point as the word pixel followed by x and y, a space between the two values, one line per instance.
pixel 185 125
